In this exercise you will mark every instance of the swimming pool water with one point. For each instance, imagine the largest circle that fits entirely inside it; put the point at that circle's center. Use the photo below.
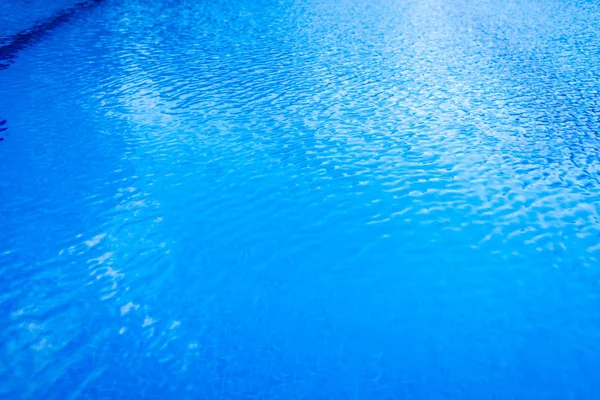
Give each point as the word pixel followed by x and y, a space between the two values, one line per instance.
pixel 303 199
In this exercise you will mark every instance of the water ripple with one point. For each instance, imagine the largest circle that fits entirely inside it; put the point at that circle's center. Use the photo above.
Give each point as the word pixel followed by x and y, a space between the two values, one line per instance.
pixel 301 199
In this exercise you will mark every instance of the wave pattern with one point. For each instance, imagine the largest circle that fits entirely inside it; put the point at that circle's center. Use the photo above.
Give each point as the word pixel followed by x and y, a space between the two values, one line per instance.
pixel 304 199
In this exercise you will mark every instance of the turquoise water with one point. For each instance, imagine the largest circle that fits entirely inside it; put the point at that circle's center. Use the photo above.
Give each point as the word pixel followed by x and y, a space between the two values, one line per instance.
pixel 300 199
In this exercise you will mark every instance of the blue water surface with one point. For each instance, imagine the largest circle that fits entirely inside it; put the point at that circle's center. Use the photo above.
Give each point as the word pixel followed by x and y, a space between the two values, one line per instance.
pixel 20 15
pixel 302 199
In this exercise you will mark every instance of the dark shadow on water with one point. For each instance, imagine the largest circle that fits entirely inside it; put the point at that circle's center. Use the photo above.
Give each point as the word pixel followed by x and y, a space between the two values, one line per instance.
pixel 11 45
pixel 2 128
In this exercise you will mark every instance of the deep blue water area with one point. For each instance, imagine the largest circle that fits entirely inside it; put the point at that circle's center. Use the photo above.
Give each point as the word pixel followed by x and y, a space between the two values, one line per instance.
pixel 300 199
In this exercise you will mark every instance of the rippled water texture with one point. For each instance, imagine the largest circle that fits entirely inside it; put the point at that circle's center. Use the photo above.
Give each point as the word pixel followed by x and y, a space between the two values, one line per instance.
pixel 303 199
